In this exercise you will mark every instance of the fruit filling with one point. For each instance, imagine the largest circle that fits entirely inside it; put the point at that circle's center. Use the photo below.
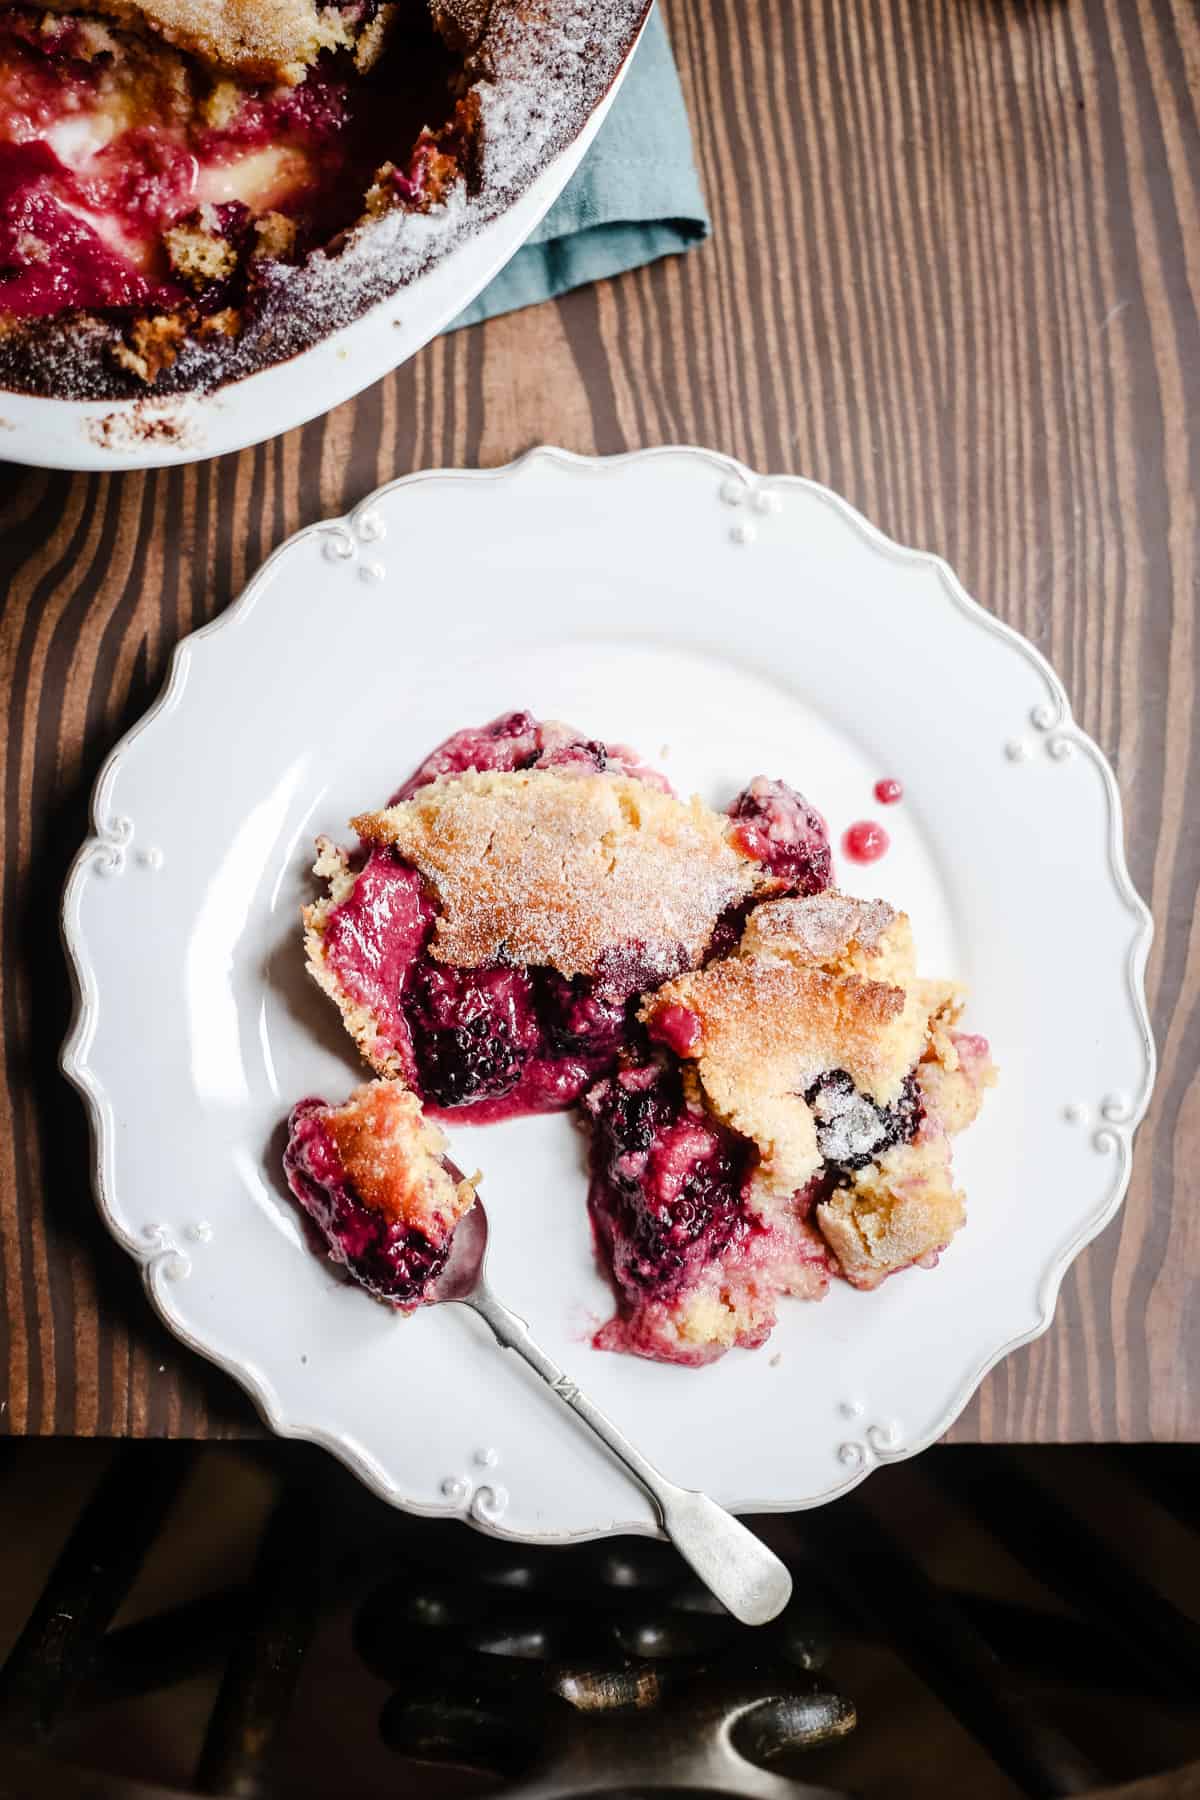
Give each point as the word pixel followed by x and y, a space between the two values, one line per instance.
pixel 373 1179
pixel 136 178
pixel 503 1039
pixel 516 740
pixel 769 1087
pixel 695 1262
pixel 667 1185
pixel 780 828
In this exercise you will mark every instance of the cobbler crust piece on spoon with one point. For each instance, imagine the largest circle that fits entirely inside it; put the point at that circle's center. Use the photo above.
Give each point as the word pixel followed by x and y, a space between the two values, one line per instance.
pixel 193 190
pixel 374 1178
pixel 769 1087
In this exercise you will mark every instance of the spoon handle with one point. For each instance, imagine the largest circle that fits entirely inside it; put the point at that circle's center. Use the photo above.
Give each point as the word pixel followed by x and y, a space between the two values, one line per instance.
pixel 737 1567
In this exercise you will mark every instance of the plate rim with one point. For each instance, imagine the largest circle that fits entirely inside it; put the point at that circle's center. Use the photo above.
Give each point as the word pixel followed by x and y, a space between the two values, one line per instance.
pixel 105 846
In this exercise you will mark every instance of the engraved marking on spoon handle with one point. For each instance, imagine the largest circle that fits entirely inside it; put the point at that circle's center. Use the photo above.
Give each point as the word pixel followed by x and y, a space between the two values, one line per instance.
pixel 740 1570
pixel 513 1333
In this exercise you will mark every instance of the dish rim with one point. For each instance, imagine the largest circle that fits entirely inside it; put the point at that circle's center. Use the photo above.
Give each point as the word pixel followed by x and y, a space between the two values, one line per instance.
pixel 228 418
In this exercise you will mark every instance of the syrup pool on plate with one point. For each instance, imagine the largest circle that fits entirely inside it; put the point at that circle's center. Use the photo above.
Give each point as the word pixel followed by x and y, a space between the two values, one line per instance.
pixel 865 842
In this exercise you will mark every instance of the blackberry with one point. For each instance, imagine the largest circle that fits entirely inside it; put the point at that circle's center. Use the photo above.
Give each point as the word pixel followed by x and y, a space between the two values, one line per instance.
pixel 576 1019
pixel 402 1265
pixel 781 830
pixel 851 1129
pixel 473 1030
pixel 631 1116
pixel 664 1183
pixel 581 752
pixel 662 1232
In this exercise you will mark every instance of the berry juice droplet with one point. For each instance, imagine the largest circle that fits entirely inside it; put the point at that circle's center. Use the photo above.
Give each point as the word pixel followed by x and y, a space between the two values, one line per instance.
pixel 889 791
pixel 865 842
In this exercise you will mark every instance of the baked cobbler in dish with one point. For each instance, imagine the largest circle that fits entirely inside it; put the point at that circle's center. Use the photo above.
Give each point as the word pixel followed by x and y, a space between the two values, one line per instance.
pixel 769 1088
pixel 193 189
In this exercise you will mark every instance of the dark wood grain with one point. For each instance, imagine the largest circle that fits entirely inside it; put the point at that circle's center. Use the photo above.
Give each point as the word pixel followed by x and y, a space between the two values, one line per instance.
pixel 955 274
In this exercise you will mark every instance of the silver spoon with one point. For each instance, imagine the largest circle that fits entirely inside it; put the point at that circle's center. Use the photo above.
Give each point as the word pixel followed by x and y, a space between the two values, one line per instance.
pixel 745 1576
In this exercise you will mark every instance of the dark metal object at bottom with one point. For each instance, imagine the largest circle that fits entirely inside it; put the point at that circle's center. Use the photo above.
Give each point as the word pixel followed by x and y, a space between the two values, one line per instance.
pixel 600 1670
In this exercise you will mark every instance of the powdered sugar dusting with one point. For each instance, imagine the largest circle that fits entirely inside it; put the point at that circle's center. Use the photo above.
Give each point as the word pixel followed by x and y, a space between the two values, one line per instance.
pixel 848 1126
pixel 541 58
pixel 568 871
pixel 820 926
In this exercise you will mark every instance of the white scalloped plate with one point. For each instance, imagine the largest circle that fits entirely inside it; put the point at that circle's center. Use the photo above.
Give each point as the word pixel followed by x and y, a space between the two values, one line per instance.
pixel 729 624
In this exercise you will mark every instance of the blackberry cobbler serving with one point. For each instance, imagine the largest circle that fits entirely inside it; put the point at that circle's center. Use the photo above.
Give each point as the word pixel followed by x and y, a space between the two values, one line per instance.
pixel 191 191
pixel 536 921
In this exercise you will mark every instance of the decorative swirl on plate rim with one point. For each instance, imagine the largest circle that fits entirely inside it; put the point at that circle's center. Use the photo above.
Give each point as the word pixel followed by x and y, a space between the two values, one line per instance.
pixel 1053 724
pixel 486 1503
pixel 163 1256
pixel 1116 1133
pixel 1059 734
pixel 742 489
pixel 877 1442
pixel 109 848
pixel 343 539
pixel 1118 1121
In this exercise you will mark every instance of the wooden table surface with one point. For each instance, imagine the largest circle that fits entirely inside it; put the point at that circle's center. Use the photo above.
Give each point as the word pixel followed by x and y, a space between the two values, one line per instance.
pixel 954 274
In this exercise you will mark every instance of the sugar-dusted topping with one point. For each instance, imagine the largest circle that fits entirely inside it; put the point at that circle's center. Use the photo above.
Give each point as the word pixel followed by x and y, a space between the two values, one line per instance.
pixel 755 1010
pixel 534 78
pixel 769 1029
pixel 847 1122
pixel 901 1210
pixel 543 65
pixel 834 932
pixel 394 1158
pixel 794 1005
pixel 271 40
pixel 567 870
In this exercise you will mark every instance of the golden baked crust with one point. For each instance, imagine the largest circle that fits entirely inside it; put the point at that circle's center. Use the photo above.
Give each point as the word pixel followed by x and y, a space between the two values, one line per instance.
pixel 732 1300
pixel 198 250
pixel 267 40
pixel 791 1006
pixel 151 345
pixel 562 871
pixel 901 1210
pixel 836 933
pixel 394 1157
pixel 725 1308
pixel 904 1208
pixel 952 1087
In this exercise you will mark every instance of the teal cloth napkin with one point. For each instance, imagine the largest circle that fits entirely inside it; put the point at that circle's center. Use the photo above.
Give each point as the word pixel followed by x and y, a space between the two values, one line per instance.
pixel 634 198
